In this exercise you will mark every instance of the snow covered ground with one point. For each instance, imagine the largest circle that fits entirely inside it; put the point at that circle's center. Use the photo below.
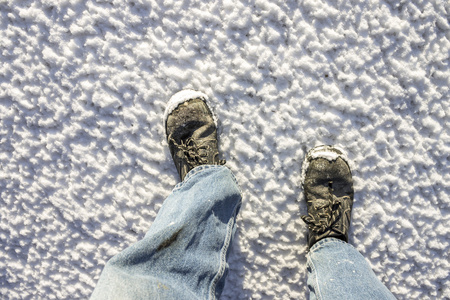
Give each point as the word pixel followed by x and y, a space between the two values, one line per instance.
pixel 84 167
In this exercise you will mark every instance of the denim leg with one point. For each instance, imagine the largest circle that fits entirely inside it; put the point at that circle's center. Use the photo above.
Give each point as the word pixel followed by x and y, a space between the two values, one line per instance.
pixel 184 254
pixel 336 270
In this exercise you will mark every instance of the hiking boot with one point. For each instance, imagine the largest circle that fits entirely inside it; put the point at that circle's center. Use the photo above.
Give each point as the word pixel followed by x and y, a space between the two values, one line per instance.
pixel 191 131
pixel 328 186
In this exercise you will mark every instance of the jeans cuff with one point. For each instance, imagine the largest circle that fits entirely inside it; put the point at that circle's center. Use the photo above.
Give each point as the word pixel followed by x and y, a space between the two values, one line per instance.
pixel 325 241
pixel 197 170
pixel 201 168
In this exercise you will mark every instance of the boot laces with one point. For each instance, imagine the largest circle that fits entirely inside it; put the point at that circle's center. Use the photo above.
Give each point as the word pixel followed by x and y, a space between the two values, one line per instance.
pixel 194 152
pixel 327 213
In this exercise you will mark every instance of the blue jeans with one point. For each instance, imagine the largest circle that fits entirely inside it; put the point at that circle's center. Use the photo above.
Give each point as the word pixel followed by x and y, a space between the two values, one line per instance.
pixel 184 254
pixel 336 270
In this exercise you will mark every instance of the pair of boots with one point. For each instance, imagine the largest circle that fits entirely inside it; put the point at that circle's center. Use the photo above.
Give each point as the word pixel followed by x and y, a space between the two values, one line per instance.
pixel 191 131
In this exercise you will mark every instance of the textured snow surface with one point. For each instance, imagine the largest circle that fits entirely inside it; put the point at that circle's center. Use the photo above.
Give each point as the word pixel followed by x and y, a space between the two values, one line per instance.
pixel 84 165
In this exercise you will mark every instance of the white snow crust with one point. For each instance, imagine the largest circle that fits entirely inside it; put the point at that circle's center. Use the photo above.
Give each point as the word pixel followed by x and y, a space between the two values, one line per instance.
pixel 84 167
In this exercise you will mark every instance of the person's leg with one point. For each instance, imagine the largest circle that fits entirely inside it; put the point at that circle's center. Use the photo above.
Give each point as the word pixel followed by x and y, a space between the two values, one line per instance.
pixel 336 270
pixel 184 254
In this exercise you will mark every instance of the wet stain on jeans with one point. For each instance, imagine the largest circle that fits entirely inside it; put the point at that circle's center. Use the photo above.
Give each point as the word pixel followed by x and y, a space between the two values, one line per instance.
pixel 162 286
pixel 167 242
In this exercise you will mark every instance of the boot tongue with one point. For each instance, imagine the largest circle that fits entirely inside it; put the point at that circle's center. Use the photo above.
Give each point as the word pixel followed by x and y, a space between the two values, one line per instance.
pixel 327 213
pixel 330 218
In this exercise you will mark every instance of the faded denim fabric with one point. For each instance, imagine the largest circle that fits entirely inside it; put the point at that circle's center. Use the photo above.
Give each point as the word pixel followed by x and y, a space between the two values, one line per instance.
pixel 184 254
pixel 336 270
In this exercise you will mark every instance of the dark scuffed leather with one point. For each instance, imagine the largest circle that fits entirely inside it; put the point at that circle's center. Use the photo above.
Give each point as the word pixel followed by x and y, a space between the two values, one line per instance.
pixel 328 188
pixel 192 136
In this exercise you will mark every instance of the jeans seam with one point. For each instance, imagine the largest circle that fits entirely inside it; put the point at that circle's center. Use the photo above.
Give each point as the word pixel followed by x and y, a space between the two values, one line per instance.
pixel 223 253
pixel 235 181
pixel 316 280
